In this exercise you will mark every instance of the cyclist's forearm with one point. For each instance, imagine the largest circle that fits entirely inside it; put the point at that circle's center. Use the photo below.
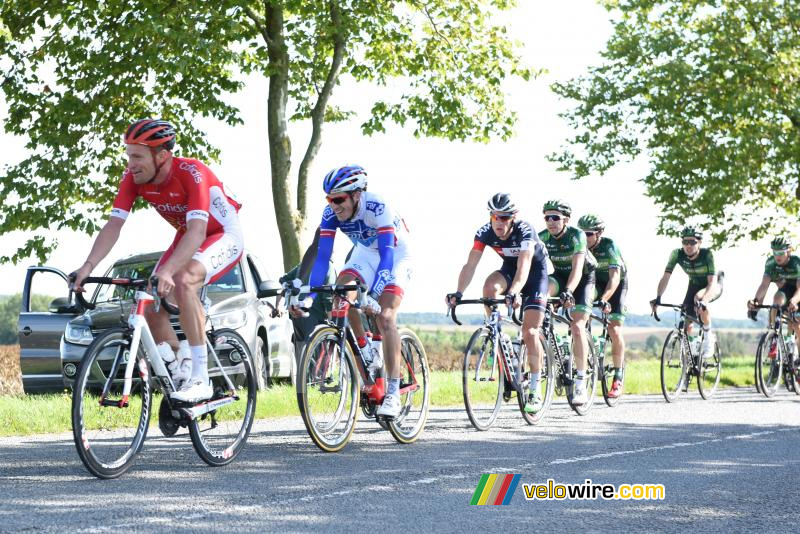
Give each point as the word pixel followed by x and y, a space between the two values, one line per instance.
pixel 613 284
pixel 105 241
pixel 521 276
pixel 468 270
pixel 576 273
pixel 662 284
pixel 761 292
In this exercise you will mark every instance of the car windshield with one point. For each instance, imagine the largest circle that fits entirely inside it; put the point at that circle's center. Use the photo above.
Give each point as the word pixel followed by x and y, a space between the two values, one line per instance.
pixel 230 283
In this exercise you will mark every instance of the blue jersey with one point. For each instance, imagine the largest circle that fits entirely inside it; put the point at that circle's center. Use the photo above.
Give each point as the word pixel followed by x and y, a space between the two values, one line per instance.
pixel 522 237
pixel 374 226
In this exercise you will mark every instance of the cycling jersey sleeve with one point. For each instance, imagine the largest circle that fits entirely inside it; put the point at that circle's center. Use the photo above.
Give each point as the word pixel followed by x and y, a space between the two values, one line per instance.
pixel 579 243
pixel 479 242
pixel 673 261
pixel 614 257
pixel 327 233
pixel 386 262
pixel 710 263
pixel 769 267
pixel 196 183
pixel 126 196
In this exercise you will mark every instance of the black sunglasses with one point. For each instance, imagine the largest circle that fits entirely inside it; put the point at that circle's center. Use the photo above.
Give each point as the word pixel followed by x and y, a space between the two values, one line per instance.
pixel 689 242
pixel 589 234
pixel 552 217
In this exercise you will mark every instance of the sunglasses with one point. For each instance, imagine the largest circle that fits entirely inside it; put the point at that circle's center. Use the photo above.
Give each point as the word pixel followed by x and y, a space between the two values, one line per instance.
pixel 780 253
pixel 589 234
pixel 336 200
pixel 691 242
pixel 552 217
pixel 503 217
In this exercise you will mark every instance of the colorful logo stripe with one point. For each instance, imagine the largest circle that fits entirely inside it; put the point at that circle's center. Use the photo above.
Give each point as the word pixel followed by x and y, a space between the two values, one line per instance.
pixel 495 489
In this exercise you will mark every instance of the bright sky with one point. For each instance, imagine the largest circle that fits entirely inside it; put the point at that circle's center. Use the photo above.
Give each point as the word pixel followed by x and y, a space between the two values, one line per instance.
pixel 441 188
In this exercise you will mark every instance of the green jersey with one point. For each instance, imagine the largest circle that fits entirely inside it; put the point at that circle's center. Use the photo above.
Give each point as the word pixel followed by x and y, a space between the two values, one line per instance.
pixel 607 255
pixel 561 250
pixel 781 273
pixel 698 269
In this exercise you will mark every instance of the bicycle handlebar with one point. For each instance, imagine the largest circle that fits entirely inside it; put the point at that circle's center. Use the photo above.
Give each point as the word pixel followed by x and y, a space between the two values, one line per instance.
pixel 126 282
pixel 512 312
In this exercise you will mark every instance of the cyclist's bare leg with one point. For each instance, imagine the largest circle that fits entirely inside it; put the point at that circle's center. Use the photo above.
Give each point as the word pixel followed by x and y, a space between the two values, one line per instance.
pixel 494 287
pixel 531 328
pixel 778 300
pixel 353 314
pixel 387 323
pixel 160 327
pixel 704 315
pixel 617 343
pixel 187 286
pixel 579 341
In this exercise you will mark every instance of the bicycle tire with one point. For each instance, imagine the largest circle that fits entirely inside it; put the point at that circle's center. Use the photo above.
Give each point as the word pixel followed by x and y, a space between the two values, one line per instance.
pixel 219 435
pixel 108 437
pixel 407 427
pixel 710 372
pixel 324 370
pixel 673 357
pixel 481 367
pixel 606 377
pixel 770 369
pixel 546 383
pixel 589 379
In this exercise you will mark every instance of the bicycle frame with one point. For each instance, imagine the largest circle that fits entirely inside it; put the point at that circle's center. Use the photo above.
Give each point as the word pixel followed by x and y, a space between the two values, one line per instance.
pixel 681 326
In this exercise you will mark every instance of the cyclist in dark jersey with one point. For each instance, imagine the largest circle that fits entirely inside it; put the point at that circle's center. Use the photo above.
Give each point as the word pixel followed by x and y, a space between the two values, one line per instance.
pixel 783 268
pixel 572 280
pixel 698 264
pixel 522 278
pixel 612 287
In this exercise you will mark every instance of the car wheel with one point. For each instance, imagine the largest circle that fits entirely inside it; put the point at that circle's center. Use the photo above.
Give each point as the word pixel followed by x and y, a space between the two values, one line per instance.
pixel 264 379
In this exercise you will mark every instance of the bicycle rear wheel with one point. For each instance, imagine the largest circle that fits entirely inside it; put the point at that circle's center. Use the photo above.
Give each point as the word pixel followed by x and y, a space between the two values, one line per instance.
pixel 219 427
pixel 328 389
pixel 710 371
pixel 109 430
pixel 606 378
pixel 673 367
pixel 589 380
pixel 546 385
pixel 414 389
pixel 770 366
pixel 482 379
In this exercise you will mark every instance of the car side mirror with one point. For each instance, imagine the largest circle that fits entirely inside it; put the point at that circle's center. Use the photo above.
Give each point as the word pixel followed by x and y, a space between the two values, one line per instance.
pixel 269 288
pixel 62 305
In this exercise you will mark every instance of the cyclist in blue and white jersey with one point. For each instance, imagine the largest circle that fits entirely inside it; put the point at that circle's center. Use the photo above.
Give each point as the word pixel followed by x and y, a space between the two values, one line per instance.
pixel 380 258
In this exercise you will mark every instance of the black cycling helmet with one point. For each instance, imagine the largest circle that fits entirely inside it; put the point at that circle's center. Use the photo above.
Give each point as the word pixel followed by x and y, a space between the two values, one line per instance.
pixel 691 231
pixel 558 205
pixel 501 202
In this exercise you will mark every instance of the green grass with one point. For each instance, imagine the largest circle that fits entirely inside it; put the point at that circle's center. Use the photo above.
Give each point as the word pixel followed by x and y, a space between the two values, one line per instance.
pixel 35 414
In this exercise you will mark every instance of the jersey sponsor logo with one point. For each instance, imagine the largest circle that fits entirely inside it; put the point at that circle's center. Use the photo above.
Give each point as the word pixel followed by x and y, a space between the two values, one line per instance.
pixel 375 207
pixel 172 208
pixel 197 214
pixel 327 214
pixel 224 257
pixel 220 206
pixel 382 278
pixel 116 212
pixel 192 169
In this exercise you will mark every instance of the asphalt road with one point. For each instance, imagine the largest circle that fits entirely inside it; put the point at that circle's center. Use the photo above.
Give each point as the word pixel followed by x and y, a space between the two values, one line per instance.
pixel 728 464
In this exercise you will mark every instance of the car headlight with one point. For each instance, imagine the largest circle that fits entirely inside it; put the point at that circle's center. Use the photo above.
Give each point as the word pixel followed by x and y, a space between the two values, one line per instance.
pixel 78 334
pixel 235 319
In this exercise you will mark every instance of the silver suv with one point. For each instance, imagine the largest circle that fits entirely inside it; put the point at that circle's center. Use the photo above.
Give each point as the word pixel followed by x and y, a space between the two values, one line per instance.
pixel 52 341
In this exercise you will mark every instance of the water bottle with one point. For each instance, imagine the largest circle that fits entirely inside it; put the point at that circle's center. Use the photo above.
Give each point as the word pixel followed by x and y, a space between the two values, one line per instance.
pixel 599 343
pixel 565 348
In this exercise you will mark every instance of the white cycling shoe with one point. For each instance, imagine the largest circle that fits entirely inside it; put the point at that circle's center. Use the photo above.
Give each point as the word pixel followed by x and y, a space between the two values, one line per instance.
pixel 707 347
pixel 390 407
pixel 194 390
pixel 579 397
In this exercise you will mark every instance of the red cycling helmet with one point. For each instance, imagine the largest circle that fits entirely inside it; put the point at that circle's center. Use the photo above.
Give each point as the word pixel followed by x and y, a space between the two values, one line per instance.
pixel 151 132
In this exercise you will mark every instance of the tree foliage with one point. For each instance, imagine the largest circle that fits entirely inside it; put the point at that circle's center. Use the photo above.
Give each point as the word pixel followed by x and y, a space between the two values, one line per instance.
pixel 76 73
pixel 708 91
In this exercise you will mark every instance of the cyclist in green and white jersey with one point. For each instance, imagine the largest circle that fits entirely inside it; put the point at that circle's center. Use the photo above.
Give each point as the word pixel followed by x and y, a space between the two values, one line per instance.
pixel 698 264
pixel 612 287
pixel 572 280
pixel 783 268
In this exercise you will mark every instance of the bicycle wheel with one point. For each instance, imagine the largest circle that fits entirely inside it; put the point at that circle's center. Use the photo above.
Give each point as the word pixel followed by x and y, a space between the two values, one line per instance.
pixel 414 389
pixel 109 430
pixel 605 367
pixel 589 380
pixel 710 371
pixel 219 427
pixel 482 379
pixel 546 385
pixel 328 389
pixel 770 366
pixel 673 367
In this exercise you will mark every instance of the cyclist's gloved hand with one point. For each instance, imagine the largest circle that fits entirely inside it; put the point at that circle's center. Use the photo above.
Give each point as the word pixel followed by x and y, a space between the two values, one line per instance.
pixel 512 300
pixel 453 298
pixel 700 305
pixel 567 298
pixel 752 315
pixel 298 307
pixel 370 304
pixel 655 302
pixel 604 305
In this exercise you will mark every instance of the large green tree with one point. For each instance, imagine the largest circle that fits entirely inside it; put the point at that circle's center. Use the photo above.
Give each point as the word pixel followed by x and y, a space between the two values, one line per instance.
pixel 76 73
pixel 708 91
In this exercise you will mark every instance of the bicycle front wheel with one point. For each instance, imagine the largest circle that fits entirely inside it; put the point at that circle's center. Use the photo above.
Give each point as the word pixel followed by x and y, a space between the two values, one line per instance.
pixel 545 385
pixel 219 427
pixel 589 381
pixel 109 427
pixel 769 361
pixel 673 367
pixel 710 371
pixel 482 379
pixel 414 389
pixel 328 389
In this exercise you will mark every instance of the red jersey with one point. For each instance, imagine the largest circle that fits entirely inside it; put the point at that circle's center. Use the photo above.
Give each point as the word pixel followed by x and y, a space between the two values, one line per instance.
pixel 191 191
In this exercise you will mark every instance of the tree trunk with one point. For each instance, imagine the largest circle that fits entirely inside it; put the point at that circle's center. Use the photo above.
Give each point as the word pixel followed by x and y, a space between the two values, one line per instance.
pixel 280 147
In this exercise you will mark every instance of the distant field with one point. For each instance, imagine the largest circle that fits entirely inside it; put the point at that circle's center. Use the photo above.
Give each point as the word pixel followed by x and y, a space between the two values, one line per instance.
pixel 10 377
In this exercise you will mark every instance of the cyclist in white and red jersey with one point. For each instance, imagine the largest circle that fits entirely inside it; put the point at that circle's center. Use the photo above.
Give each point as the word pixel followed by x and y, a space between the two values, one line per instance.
pixel 208 242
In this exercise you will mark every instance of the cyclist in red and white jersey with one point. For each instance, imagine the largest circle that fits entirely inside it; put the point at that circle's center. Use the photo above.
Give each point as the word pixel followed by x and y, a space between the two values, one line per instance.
pixel 208 242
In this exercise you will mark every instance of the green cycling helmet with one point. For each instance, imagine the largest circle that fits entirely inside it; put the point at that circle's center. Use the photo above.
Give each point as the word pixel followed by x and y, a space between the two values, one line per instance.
pixel 691 231
pixel 558 205
pixel 780 243
pixel 591 222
